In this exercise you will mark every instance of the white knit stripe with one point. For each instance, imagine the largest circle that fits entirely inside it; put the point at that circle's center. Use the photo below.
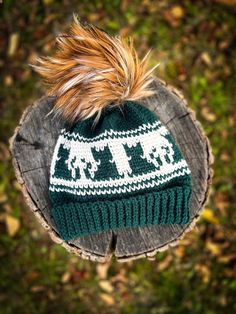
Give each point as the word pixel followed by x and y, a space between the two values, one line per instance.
pixel 92 184
pixel 124 189
pixel 80 150
pixel 125 140
pixel 111 132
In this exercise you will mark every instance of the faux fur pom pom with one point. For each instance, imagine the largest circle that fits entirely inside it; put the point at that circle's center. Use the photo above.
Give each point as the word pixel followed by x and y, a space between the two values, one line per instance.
pixel 91 70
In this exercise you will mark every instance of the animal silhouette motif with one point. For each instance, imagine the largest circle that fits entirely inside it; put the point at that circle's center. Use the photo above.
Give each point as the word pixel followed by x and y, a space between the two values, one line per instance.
pixel 155 146
pixel 157 150
pixel 80 157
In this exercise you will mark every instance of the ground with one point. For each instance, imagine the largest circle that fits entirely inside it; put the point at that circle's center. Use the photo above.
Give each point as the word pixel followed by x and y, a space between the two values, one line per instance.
pixel 194 42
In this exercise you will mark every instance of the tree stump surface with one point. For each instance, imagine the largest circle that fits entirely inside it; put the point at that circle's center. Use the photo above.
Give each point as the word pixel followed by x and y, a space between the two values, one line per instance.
pixel 32 147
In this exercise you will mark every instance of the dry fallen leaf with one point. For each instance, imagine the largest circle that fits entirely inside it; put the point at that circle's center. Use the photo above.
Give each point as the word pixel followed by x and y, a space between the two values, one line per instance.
pixel 13 44
pixel 12 224
pixel 108 299
pixel 102 270
pixel 165 263
pixel 8 80
pixel 179 251
pixel 204 272
pixel 106 286
pixel 48 2
pixel 225 157
pixel 209 216
pixel 207 115
pixel 205 57
pixel 227 258
pixel 66 277
pixel 214 248
pixel 38 288
pixel 177 11
pixel 174 15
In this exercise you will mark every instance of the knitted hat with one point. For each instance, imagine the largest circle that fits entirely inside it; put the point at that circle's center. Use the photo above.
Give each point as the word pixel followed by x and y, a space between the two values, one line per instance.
pixel 116 165
pixel 128 172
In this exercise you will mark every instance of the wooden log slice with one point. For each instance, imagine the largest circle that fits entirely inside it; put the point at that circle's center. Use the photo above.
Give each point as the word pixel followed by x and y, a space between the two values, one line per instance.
pixel 32 147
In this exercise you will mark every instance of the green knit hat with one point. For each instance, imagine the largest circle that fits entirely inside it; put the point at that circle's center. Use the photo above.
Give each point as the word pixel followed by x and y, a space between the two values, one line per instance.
pixel 127 172
pixel 115 165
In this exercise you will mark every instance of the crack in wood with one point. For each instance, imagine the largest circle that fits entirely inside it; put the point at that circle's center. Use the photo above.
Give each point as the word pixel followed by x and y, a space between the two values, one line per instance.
pixel 113 242
pixel 33 169
pixel 184 115
pixel 37 145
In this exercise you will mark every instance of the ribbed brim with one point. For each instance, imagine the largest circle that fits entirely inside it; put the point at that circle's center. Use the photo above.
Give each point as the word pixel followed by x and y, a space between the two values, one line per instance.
pixel 169 206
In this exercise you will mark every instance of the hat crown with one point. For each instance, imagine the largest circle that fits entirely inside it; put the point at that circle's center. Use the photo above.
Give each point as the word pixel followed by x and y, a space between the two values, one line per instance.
pixel 123 118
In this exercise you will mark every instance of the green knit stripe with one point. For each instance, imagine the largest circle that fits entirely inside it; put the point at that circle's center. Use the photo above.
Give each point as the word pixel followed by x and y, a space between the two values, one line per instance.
pixel 147 183
pixel 135 115
pixel 111 134
pixel 168 206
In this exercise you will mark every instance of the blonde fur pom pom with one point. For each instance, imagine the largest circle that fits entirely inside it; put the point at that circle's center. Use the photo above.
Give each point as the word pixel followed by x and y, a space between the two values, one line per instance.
pixel 92 70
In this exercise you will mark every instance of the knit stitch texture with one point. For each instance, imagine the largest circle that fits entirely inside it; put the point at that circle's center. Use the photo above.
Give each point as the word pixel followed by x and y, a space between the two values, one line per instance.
pixel 125 172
